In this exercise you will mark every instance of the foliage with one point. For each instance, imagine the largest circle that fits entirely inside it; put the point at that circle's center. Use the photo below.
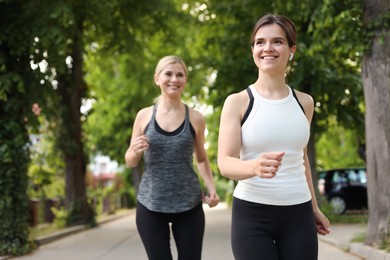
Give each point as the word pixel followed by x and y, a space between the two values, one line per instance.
pixel 46 169
pixel 336 50
pixel 337 148
pixel 17 95
pixel 61 216
pixel 386 245
pixel 118 92
pixel 127 191
pixel 13 184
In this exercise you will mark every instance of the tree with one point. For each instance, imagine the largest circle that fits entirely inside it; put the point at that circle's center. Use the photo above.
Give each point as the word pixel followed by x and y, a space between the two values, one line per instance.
pixel 376 80
pixel 18 92
pixel 54 36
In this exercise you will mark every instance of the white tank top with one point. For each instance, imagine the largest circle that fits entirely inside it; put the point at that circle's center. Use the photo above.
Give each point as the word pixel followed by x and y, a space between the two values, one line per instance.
pixel 275 125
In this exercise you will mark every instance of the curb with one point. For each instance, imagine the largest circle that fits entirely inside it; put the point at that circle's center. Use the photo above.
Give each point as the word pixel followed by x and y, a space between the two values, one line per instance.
pixel 45 239
pixel 359 249
pixel 369 252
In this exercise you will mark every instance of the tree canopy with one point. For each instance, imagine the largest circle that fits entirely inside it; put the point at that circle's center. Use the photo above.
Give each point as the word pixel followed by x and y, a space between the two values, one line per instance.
pixel 89 66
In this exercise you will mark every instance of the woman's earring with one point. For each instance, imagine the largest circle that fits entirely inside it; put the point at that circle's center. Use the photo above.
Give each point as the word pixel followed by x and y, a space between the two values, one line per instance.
pixel 291 56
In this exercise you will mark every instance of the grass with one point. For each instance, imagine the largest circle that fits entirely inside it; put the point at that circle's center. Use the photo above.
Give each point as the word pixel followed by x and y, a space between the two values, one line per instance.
pixel 49 228
pixel 349 217
pixel 386 245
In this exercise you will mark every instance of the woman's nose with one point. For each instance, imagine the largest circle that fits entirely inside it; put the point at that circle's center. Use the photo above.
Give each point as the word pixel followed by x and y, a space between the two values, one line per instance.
pixel 268 46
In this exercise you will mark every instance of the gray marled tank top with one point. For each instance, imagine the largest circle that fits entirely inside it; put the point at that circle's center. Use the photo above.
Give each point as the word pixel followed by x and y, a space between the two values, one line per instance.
pixel 169 183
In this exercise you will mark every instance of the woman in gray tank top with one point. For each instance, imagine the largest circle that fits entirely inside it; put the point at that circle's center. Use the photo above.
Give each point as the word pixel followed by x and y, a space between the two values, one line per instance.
pixel 166 135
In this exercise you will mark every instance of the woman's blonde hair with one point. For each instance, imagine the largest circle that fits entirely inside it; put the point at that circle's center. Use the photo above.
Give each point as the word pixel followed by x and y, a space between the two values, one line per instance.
pixel 165 61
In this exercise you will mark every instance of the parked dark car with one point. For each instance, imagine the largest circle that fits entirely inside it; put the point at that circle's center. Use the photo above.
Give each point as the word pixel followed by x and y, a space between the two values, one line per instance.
pixel 344 188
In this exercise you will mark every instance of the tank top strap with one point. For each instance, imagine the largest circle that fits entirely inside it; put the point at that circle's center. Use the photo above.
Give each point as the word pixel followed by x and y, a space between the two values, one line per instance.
pixel 187 117
pixel 152 120
pixel 154 112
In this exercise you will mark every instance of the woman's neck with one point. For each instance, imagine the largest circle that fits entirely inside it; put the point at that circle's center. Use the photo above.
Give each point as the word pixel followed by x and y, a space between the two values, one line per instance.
pixel 166 104
pixel 271 87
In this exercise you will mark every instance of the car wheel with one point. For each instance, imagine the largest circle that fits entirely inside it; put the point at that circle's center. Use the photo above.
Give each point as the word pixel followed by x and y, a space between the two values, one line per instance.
pixel 339 205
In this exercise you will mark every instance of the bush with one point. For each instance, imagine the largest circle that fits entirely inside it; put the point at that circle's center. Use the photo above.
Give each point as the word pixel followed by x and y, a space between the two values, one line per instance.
pixel 14 159
pixel 61 216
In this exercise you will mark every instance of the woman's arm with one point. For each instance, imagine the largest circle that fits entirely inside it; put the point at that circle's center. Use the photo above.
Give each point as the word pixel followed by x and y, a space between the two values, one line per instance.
pixel 322 222
pixel 139 142
pixel 202 161
pixel 229 140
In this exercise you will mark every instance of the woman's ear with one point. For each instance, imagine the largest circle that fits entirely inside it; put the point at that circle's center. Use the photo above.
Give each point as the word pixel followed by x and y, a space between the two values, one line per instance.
pixel 156 79
pixel 292 52
pixel 293 49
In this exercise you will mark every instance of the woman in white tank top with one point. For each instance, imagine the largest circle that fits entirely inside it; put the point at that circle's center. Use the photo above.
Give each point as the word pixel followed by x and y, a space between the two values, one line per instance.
pixel 263 136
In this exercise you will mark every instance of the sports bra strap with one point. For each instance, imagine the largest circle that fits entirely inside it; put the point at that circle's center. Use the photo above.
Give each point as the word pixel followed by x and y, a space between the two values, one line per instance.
pixel 251 101
pixel 299 103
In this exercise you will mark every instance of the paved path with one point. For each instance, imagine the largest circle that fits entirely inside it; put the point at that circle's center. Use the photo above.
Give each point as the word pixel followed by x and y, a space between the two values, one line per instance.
pixel 117 240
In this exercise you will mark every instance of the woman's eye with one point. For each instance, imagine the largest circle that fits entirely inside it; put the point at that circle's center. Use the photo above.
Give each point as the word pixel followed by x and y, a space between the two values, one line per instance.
pixel 259 42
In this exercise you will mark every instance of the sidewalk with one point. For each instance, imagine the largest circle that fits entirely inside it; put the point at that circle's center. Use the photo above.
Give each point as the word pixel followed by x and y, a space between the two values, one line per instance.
pixel 340 237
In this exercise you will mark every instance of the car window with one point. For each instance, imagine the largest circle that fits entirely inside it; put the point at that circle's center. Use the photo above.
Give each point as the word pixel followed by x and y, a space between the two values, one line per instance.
pixel 339 177
pixel 356 176
pixel 362 176
pixel 353 176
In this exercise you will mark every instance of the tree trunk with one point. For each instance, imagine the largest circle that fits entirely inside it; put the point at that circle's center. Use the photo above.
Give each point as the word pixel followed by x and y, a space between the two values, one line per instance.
pixel 72 90
pixel 376 81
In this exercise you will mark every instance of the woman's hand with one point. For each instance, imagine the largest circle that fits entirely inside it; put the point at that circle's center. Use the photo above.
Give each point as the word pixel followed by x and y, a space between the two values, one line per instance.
pixel 268 164
pixel 212 199
pixel 140 144
pixel 322 223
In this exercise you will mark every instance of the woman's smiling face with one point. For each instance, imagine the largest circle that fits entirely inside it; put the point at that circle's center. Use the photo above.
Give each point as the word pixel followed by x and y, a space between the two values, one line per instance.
pixel 172 79
pixel 270 49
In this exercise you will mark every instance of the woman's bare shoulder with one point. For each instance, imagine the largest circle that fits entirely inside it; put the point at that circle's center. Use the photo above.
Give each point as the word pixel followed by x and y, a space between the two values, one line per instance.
pixel 144 115
pixel 144 112
pixel 238 98
pixel 237 103
pixel 304 98
pixel 307 102
pixel 196 117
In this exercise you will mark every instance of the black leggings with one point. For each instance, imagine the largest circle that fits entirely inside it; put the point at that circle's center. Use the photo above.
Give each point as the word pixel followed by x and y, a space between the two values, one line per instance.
pixel 187 228
pixel 267 232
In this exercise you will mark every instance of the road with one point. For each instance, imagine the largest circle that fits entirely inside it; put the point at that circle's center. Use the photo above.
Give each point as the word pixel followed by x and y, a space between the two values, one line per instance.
pixel 119 240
